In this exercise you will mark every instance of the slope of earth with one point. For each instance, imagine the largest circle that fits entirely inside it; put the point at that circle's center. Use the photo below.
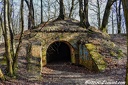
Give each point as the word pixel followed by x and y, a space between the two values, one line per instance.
pixel 120 40
pixel 64 73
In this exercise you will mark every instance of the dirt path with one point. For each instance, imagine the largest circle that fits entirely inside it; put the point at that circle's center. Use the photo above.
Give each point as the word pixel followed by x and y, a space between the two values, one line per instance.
pixel 67 74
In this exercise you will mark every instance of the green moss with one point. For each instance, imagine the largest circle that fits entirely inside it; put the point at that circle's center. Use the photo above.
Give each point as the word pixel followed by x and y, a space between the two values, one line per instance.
pixel 90 47
pixel 113 44
pixel 43 53
pixel 119 51
pixel 106 35
pixel 61 36
pixel 97 58
pixel 3 62
pixel 120 54
pixel 72 59
pixel 104 30
pixel 44 57
pixel 101 67
pixel 112 53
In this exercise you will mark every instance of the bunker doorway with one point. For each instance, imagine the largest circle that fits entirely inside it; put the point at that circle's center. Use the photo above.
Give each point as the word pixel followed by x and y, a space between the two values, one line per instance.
pixel 58 51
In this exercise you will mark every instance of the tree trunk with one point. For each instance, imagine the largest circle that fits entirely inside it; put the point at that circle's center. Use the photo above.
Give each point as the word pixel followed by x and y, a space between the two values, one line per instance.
pixel 41 11
pixel 106 15
pixel 118 16
pixel 1 25
pixel 112 23
pixel 86 22
pixel 10 20
pixel 31 21
pixel 71 10
pixel 32 13
pixel 48 9
pixel 61 12
pixel 98 13
pixel 83 13
pixel 125 7
pixel 7 38
pixel 21 34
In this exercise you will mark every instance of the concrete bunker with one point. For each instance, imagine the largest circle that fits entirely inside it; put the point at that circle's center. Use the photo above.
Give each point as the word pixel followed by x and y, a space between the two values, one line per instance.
pixel 78 45
pixel 59 51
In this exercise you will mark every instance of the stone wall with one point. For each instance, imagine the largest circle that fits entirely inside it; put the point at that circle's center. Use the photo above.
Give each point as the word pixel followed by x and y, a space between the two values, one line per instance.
pixel 34 59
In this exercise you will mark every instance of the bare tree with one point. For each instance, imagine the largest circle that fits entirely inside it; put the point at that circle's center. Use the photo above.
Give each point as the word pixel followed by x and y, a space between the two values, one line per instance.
pixel 31 21
pixel 41 11
pixel 98 13
pixel 7 38
pixel 112 22
pixel 21 35
pixel 71 10
pixel 1 27
pixel 61 11
pixel 11 58
pixel 83 13
pixel 48 9
pixel 55 13
pixel 106 15
pixel 96 9
pixel 118 16
pixel 125 7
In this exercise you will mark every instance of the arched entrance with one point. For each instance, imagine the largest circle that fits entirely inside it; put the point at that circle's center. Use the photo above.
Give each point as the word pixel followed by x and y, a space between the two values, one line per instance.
pixel 59 51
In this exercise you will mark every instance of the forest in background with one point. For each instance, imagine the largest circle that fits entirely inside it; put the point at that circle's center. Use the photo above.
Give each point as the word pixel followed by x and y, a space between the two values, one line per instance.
pixel 50 10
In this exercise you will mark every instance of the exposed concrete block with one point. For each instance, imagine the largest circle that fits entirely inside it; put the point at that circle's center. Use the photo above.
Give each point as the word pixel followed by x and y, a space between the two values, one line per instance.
pixel 98 62
pixel 34 59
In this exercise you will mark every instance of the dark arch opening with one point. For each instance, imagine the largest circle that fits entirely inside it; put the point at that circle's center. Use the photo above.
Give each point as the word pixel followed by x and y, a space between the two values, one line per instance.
pixel 58 52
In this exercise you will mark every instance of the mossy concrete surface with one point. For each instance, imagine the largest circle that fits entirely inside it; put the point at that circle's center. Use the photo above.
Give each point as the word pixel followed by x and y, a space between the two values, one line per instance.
pixel 34 59
pixel 96 58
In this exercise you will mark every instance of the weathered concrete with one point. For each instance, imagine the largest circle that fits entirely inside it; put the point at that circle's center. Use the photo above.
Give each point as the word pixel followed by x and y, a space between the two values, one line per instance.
pixel 34 59
pixel 68 33
pixel 97 59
